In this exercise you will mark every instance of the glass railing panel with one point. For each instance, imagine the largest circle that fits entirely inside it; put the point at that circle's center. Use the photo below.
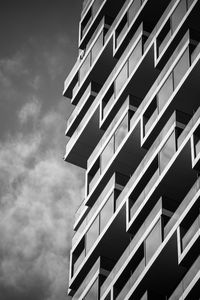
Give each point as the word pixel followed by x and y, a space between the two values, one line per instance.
pixel 181 67
pixel 153 241
pixel 178 14
pixel 164 42
pixel 94 180
pixel 107 154
pixel 121 79
pixel 190 233
pixel 133 9
pixel 197 148
pixel 95 7
pixel 106 212
pixel 92 235
pixel 97 47
pixel 85 68
pixel 167 152
pixel 121 132
pixel 165 92
pixel 121 34
pixel 92 294
pixel 135 57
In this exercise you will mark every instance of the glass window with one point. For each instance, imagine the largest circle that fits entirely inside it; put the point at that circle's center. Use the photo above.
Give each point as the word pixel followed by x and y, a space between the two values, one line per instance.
pixel 178 14
pixel 167 152
pixel 121 79
pixel 107 154
pixel 153 241
pixel 181 68
pixel 97 47
pixel 165 92
pixel 84 68
pixel 135 56
pixel 106 212
pixel 92 234
pixel 93 292
pixel 121 132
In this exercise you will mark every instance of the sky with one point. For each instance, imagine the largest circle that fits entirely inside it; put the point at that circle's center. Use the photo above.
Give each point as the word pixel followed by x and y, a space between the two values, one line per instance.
pixel 39 192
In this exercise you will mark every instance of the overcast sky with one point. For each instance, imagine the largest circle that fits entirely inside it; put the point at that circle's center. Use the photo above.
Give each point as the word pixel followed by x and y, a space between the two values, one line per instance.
pixel 39 192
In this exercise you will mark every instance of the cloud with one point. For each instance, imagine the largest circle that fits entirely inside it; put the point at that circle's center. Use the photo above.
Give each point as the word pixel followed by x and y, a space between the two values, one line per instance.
pixel 39 194
pixel 30 110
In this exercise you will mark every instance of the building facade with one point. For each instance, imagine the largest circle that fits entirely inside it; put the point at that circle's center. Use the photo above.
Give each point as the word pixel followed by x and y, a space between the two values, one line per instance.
pixel 135 129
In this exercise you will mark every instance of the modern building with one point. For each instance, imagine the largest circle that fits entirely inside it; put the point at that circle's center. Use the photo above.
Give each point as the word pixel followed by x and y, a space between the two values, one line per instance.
pixel 135 129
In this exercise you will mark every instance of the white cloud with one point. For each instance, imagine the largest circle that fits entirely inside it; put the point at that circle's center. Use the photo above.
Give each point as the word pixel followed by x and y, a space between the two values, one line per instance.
pixel 38 198
pixel 30 110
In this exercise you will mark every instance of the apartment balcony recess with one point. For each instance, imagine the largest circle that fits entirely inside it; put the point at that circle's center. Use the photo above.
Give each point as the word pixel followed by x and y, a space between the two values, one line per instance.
pixel 91 17
pixel 135 245
pixel 112 189
pixel 136 12
pixel 97 58
pixel 81 108
pixel 134 77
pixel 183 16
pixel 172 90
pixel 102 244
pixel 188 282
